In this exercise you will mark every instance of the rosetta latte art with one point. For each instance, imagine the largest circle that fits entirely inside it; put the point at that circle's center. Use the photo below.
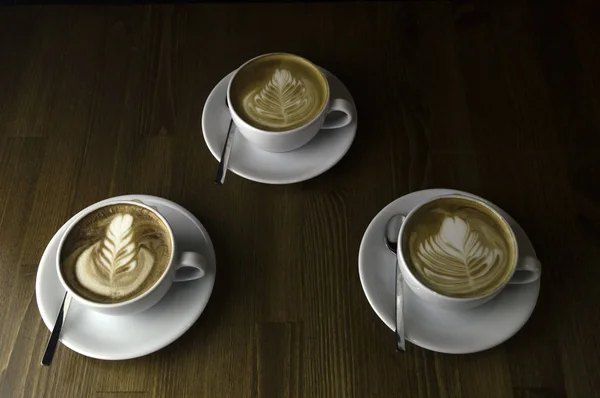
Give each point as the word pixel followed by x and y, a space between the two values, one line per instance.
pixel 284 101
pixel 115 266
pixel 457 260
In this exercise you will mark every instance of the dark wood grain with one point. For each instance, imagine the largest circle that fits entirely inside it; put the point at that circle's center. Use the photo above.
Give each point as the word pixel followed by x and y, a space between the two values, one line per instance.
pixel 501 101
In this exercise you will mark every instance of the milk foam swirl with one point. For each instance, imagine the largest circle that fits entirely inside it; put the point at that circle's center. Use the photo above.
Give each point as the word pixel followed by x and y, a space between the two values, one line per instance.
pixel 284 101
pixel 117 265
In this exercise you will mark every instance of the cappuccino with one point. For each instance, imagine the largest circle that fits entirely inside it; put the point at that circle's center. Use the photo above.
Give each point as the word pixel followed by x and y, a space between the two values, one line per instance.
pixel 278 92
pixel 115 253
pixel 459 247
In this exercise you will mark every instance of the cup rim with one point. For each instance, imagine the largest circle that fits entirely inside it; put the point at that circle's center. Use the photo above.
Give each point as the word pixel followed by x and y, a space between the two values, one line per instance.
pixel 478 200
pixel 284 132
pixel 78 217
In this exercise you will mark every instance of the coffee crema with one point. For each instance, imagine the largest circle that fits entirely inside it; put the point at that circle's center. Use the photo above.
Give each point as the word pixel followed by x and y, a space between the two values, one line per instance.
pixel 115 253
pixel 278 92
pixel 459 248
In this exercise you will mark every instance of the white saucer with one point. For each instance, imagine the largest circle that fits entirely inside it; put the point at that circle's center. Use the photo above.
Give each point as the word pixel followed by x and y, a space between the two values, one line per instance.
pixel 252 163
pixel 432 328
pixel 123 337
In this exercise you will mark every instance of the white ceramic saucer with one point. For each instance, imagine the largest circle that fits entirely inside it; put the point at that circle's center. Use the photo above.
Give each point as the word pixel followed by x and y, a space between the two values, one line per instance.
pixel 432 328
pixel 253 163
pixel 123 337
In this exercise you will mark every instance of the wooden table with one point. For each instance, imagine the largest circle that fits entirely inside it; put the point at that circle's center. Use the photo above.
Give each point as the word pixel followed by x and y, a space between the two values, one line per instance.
pixel 503 102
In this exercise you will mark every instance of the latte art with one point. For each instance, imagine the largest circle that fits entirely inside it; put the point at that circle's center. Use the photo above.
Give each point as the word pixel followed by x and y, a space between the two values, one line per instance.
pixel 283 102
pixel 456 259
pixel 459 248
pixel 115 253
pixel 278 92
pixel 116 266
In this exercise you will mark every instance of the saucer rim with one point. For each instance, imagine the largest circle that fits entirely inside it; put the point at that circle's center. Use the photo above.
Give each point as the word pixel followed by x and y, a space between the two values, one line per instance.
pixel 210 256
pixel 216 152
pixel 371 299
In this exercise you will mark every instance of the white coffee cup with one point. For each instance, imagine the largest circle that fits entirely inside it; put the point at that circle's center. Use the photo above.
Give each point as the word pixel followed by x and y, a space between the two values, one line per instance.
pixel 526 269
pixel 288 140
pixel 182 267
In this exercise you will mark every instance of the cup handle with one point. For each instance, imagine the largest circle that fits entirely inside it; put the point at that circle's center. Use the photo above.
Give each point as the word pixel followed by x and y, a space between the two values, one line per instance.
pixel 191 266
pixel 528 270
pixel 340 105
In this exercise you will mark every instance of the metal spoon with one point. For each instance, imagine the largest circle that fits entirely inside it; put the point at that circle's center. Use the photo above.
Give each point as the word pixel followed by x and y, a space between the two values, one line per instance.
pixel 392 230
pixel 53 339
pixel 224 163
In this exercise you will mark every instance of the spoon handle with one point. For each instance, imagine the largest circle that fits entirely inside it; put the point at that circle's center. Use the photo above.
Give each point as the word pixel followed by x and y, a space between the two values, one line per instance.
pixel 400 343
pixel 53 340
pixel 224 163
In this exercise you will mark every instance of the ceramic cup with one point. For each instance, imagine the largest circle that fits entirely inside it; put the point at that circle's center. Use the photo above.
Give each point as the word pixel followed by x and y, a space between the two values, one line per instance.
pixel 182 267
pixel 526 269
pixel 288 140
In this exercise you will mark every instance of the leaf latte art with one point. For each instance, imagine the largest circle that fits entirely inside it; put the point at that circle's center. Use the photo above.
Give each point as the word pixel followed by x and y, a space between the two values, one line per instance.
pixel 459 249
pixel 115 266
pixel 456 260
pixel 284 102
